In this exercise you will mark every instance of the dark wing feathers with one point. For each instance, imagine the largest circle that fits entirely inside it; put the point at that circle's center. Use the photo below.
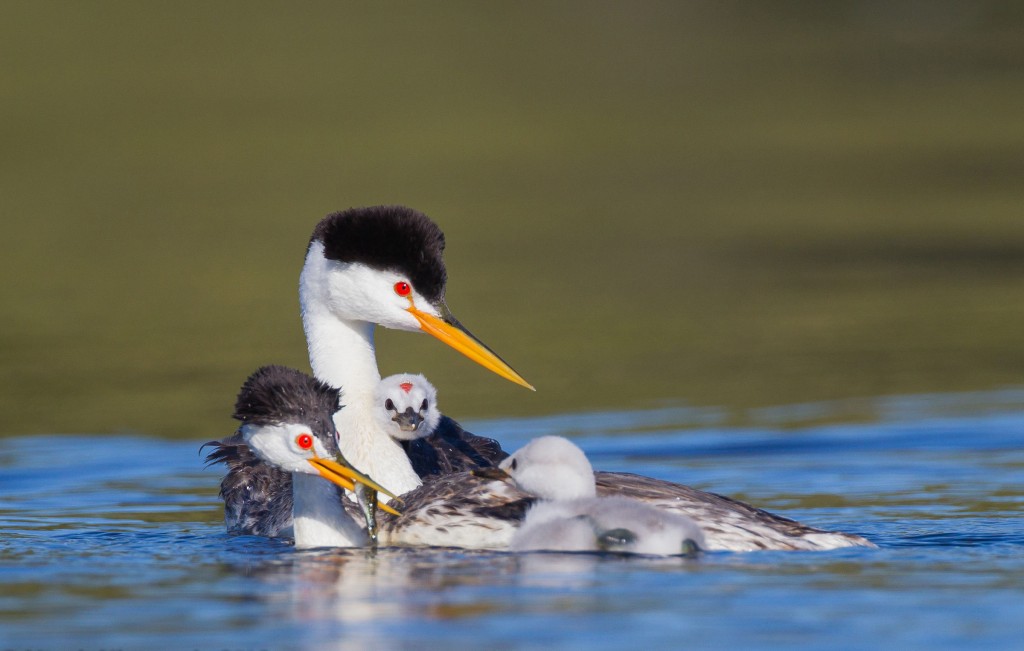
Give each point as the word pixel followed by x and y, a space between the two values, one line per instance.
pixel 451 449
pixel 257 496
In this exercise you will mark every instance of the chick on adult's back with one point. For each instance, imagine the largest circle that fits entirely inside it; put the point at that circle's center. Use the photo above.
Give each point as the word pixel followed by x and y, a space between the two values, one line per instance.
pixel 570 517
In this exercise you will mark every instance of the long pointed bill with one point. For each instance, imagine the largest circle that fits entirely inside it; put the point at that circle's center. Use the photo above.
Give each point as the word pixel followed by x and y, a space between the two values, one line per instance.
pixel 346 477
pixel 453 333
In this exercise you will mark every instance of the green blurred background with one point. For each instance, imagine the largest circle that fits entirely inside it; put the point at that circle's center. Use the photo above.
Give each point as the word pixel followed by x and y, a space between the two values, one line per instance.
pixel 734 204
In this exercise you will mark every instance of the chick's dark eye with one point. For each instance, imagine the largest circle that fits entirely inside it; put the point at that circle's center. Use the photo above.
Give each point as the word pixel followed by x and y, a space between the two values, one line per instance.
pixel 515 462
pixel 388 404
pixel 423 407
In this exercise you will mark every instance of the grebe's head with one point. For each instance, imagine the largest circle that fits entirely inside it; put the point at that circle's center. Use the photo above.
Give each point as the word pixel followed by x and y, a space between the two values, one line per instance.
pixel 405 405
pixel 384 265
pixel 552 468
pixel 287 422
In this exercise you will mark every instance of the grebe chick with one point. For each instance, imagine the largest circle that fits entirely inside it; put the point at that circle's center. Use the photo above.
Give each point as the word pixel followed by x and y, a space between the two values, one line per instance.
pixel 570 516
pixel 407 406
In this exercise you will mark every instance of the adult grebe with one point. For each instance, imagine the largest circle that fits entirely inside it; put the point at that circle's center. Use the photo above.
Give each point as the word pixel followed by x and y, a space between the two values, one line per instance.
pixel 366 267
pixel 380 266
pixel 384 266
pixel 286 421
pixel 570 517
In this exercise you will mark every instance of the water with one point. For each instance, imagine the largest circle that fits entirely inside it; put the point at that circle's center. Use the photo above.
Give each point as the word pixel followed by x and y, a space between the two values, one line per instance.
pixel 117 542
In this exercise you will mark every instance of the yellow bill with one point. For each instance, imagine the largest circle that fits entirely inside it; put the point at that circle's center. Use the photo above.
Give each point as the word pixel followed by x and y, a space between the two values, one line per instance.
pixel 453 333
pixel 346 477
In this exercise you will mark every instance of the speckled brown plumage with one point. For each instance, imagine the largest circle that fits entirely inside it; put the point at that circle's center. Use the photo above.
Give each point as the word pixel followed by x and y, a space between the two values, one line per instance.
pixel 458 509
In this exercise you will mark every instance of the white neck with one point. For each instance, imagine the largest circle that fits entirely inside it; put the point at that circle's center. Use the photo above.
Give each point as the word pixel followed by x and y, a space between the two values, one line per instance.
pixel 341 354
pixel 319 518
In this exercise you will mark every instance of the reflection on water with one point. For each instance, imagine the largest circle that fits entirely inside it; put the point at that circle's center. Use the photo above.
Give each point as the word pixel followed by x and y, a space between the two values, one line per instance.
pixel 118 542
pixel 339 594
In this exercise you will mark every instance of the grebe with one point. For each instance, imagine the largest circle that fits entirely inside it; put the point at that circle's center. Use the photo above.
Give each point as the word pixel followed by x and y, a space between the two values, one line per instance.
pixel 380 266
pixel 286 421
pixel 407 406
pixel 570 517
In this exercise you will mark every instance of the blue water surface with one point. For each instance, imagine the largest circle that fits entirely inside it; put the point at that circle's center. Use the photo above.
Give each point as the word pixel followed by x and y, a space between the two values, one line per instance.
pixel 117 542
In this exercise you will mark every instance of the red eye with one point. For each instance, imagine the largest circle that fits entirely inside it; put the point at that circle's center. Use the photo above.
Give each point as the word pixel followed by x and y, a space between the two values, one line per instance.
pixel 304 441
pixel 402 288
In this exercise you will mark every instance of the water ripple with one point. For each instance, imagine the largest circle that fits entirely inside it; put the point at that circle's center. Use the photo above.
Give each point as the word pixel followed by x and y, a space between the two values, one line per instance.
pixel 119 542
